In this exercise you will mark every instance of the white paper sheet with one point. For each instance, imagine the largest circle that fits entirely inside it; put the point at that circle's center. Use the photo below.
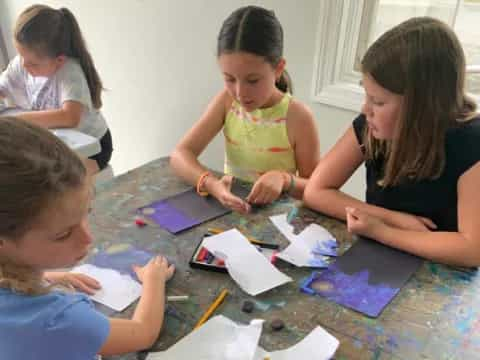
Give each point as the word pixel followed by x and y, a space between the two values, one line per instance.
pixel 217 339
pixel 307 248
pixel 118 291
pixel 245 264
pixel 318 345
pixel 222 339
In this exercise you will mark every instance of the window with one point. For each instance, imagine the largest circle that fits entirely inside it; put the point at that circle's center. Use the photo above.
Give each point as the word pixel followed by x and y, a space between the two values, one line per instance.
pixel 347 27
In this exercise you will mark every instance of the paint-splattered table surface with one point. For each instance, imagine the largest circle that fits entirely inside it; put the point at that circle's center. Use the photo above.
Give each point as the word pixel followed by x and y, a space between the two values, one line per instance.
pixel 435 316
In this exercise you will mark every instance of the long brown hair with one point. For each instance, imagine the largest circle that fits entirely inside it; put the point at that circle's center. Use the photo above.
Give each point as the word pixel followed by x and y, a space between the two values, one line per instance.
pixel 53 33
pixel 32 176
pixel 255 30
pixel 422 60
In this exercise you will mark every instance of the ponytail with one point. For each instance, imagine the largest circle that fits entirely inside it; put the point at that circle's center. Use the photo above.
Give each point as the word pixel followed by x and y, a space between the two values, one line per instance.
pixel 56 32
pixel 284 84
pixel 78 49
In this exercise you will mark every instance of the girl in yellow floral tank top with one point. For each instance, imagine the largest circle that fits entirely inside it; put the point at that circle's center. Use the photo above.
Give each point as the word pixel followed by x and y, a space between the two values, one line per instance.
pixel 270 138
pixel 257 142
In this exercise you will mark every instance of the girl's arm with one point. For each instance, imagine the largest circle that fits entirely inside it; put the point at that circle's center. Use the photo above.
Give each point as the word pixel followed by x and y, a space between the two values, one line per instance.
pixel 143 329
pixel 301 128
pixel 455 248
pixel 334 169
pixel 67 117
pixel 184 158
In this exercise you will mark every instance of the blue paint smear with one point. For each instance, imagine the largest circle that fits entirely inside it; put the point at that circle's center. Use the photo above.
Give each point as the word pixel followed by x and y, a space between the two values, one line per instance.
pixel 318 263
pixel 327 248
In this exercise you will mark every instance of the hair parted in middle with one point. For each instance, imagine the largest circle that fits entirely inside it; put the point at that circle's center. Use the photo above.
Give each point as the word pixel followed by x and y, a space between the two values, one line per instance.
pixel 257 31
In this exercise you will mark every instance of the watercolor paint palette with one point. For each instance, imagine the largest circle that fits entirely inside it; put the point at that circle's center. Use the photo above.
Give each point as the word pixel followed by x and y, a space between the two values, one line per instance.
pixel 366 278
pixel 203 259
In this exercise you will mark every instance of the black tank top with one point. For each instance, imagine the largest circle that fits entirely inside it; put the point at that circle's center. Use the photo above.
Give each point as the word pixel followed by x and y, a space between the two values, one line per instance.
pixel 435 199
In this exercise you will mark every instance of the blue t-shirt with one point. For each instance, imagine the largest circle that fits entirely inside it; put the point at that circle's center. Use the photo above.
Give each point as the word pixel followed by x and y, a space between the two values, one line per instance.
pixel 55 326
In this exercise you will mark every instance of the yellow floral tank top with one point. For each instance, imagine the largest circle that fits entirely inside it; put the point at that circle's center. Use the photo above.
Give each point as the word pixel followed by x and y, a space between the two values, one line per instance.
pixel 257 141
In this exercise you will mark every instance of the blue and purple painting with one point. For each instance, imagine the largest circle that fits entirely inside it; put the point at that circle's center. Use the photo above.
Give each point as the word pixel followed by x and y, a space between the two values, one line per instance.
pixel 352 291
pixel 122 261
pixel 183 211
pixel 366 278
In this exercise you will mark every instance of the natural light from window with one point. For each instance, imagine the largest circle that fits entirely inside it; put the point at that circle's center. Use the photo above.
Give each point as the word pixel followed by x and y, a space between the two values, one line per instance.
pixel 463 15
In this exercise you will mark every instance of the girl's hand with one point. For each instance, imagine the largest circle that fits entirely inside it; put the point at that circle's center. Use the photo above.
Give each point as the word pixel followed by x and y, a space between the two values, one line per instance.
pixel 268 187
pixel 411 222
pixel 80 282
pixel 221 190
pixel 361 223
pixel 156 270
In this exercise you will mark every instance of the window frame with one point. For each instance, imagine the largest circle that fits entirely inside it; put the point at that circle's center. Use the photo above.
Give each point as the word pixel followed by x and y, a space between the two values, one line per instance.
pixel 344 28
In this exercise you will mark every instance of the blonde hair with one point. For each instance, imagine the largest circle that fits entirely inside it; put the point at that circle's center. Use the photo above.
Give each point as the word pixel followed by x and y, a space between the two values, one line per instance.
pixel 53 33
pixel 32 176
pixel 422 60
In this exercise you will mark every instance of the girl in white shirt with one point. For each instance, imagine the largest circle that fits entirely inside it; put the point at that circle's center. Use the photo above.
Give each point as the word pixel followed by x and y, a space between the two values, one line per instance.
pixel 53 80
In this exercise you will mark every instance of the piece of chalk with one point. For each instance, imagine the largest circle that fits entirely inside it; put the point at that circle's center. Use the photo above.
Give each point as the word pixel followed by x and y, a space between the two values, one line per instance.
pixel 178 298
pixel 209 258
pixel 140 223
pixel 202 254
pixel 247 306
pixel 277 325
pixel 291 214
pixel 273 259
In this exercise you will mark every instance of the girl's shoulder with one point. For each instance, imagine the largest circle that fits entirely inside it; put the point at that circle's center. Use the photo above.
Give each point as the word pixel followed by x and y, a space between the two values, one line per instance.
pixel 224 98
pixel 71 70
pixel 461 145
pixel 298 113
pixel 465 129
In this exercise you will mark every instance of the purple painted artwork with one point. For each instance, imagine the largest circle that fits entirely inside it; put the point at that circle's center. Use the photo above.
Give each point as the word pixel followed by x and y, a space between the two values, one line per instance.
pixel 183 211
pixel 122 261
pixel 352 291
pixel 366 278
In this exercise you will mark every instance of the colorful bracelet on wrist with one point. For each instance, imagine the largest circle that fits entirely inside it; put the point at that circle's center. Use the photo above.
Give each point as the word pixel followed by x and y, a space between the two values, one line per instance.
pixel 291 186
pixel 201 182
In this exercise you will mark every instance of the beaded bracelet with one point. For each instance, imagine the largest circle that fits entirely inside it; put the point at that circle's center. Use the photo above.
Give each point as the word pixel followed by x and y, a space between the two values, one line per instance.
pixel 291 186
pixel 200 182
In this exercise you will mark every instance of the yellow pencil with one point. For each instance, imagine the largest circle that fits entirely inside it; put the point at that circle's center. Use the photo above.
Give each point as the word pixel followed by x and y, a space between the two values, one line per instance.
pixel 212 308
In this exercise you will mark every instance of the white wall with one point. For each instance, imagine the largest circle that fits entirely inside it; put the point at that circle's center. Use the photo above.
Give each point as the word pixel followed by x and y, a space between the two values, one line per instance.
pixel 157 58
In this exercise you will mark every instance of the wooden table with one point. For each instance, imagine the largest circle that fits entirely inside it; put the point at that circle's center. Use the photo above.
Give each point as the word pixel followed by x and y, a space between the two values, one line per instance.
pixel 435 316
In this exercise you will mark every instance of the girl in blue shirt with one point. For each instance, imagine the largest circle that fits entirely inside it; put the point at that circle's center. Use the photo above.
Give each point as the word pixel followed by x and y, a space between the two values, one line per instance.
pixel 45 197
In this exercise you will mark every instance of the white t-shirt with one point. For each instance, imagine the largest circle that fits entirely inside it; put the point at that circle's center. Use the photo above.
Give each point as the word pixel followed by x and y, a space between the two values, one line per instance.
pixel 46 93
